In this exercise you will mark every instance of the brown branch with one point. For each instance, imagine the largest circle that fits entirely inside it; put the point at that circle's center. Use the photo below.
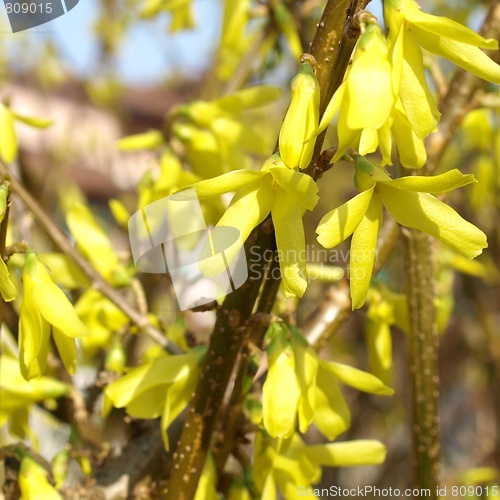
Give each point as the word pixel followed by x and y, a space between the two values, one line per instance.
pixel 229 335
pixel 423 342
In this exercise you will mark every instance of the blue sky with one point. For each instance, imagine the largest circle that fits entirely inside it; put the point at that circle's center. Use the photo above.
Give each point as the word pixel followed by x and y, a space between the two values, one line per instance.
pixel 149 51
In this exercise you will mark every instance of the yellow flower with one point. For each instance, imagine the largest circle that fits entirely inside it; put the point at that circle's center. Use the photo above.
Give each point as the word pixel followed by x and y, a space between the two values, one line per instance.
pixel 301 119
pixel 180 10
pixel 300 384
pixel 8 137
pixel 45 307
pixel 218 135
pixel 409 30
pixel 33 481
pixel 292 467
pixel 161 387
pixel 276 189
pixel 7 288
pixel 95 244
pixel 411 202
pixel 17 396
pixel 370 113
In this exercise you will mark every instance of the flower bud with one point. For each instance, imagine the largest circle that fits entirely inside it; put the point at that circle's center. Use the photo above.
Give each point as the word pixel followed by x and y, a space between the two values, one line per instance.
pixel 301 119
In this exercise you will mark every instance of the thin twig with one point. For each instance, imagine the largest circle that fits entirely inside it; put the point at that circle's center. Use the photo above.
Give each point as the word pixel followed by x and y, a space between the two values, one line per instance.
pixel 97 281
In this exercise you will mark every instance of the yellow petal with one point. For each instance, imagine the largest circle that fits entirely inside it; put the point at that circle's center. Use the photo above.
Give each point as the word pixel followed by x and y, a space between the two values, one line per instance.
pixel 33 121
pixel 291 243
pixel 468 57
pixel 306 368
pixel 368 141
pixel 350 453
pixel 363 252
pixel 160 372
pixel 248 208
pixel 251 97
pixel 300 186
pixel 379 343
pixel 416 98
pixel 340 223
pixel 148 404
pixel 92 240
pixel 288 26
pixel 385 142
pixel 146 140
pixel 232 181
pixel 8 137
pixel 269 490
pixel 436 184
pixel 347 136
pixel 331 109
pixel 331 413
pixel 301 119
pixel 363 381
pixel 280 393
pixel 370 105
pixel 411 149
pixel 55 307
pixel 67 350
pixel 7 288
pixel 424 212
pixel 64 271
pixel 396 41
pixel 427 24
pixel 207 484
pixel 34 334
pixel 33 481
pixel 178 396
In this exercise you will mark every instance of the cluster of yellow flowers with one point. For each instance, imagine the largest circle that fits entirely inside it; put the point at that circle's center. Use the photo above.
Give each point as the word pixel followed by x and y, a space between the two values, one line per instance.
pixel 384 94
pixel 385 91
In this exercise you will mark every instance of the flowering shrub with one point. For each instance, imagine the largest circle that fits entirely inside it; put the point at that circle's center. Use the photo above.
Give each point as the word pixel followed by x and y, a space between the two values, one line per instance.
pixel 259 389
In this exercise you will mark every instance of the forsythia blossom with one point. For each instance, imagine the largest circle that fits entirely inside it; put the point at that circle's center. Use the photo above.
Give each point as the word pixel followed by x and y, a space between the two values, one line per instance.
pixel 162 387
pixel 292 467
pixel 366 97
pixel 411 202
pixel 300 384
pixel 45 307
pixel 277 189
pixel 301 119
pixel 409 30
pixel 18 395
